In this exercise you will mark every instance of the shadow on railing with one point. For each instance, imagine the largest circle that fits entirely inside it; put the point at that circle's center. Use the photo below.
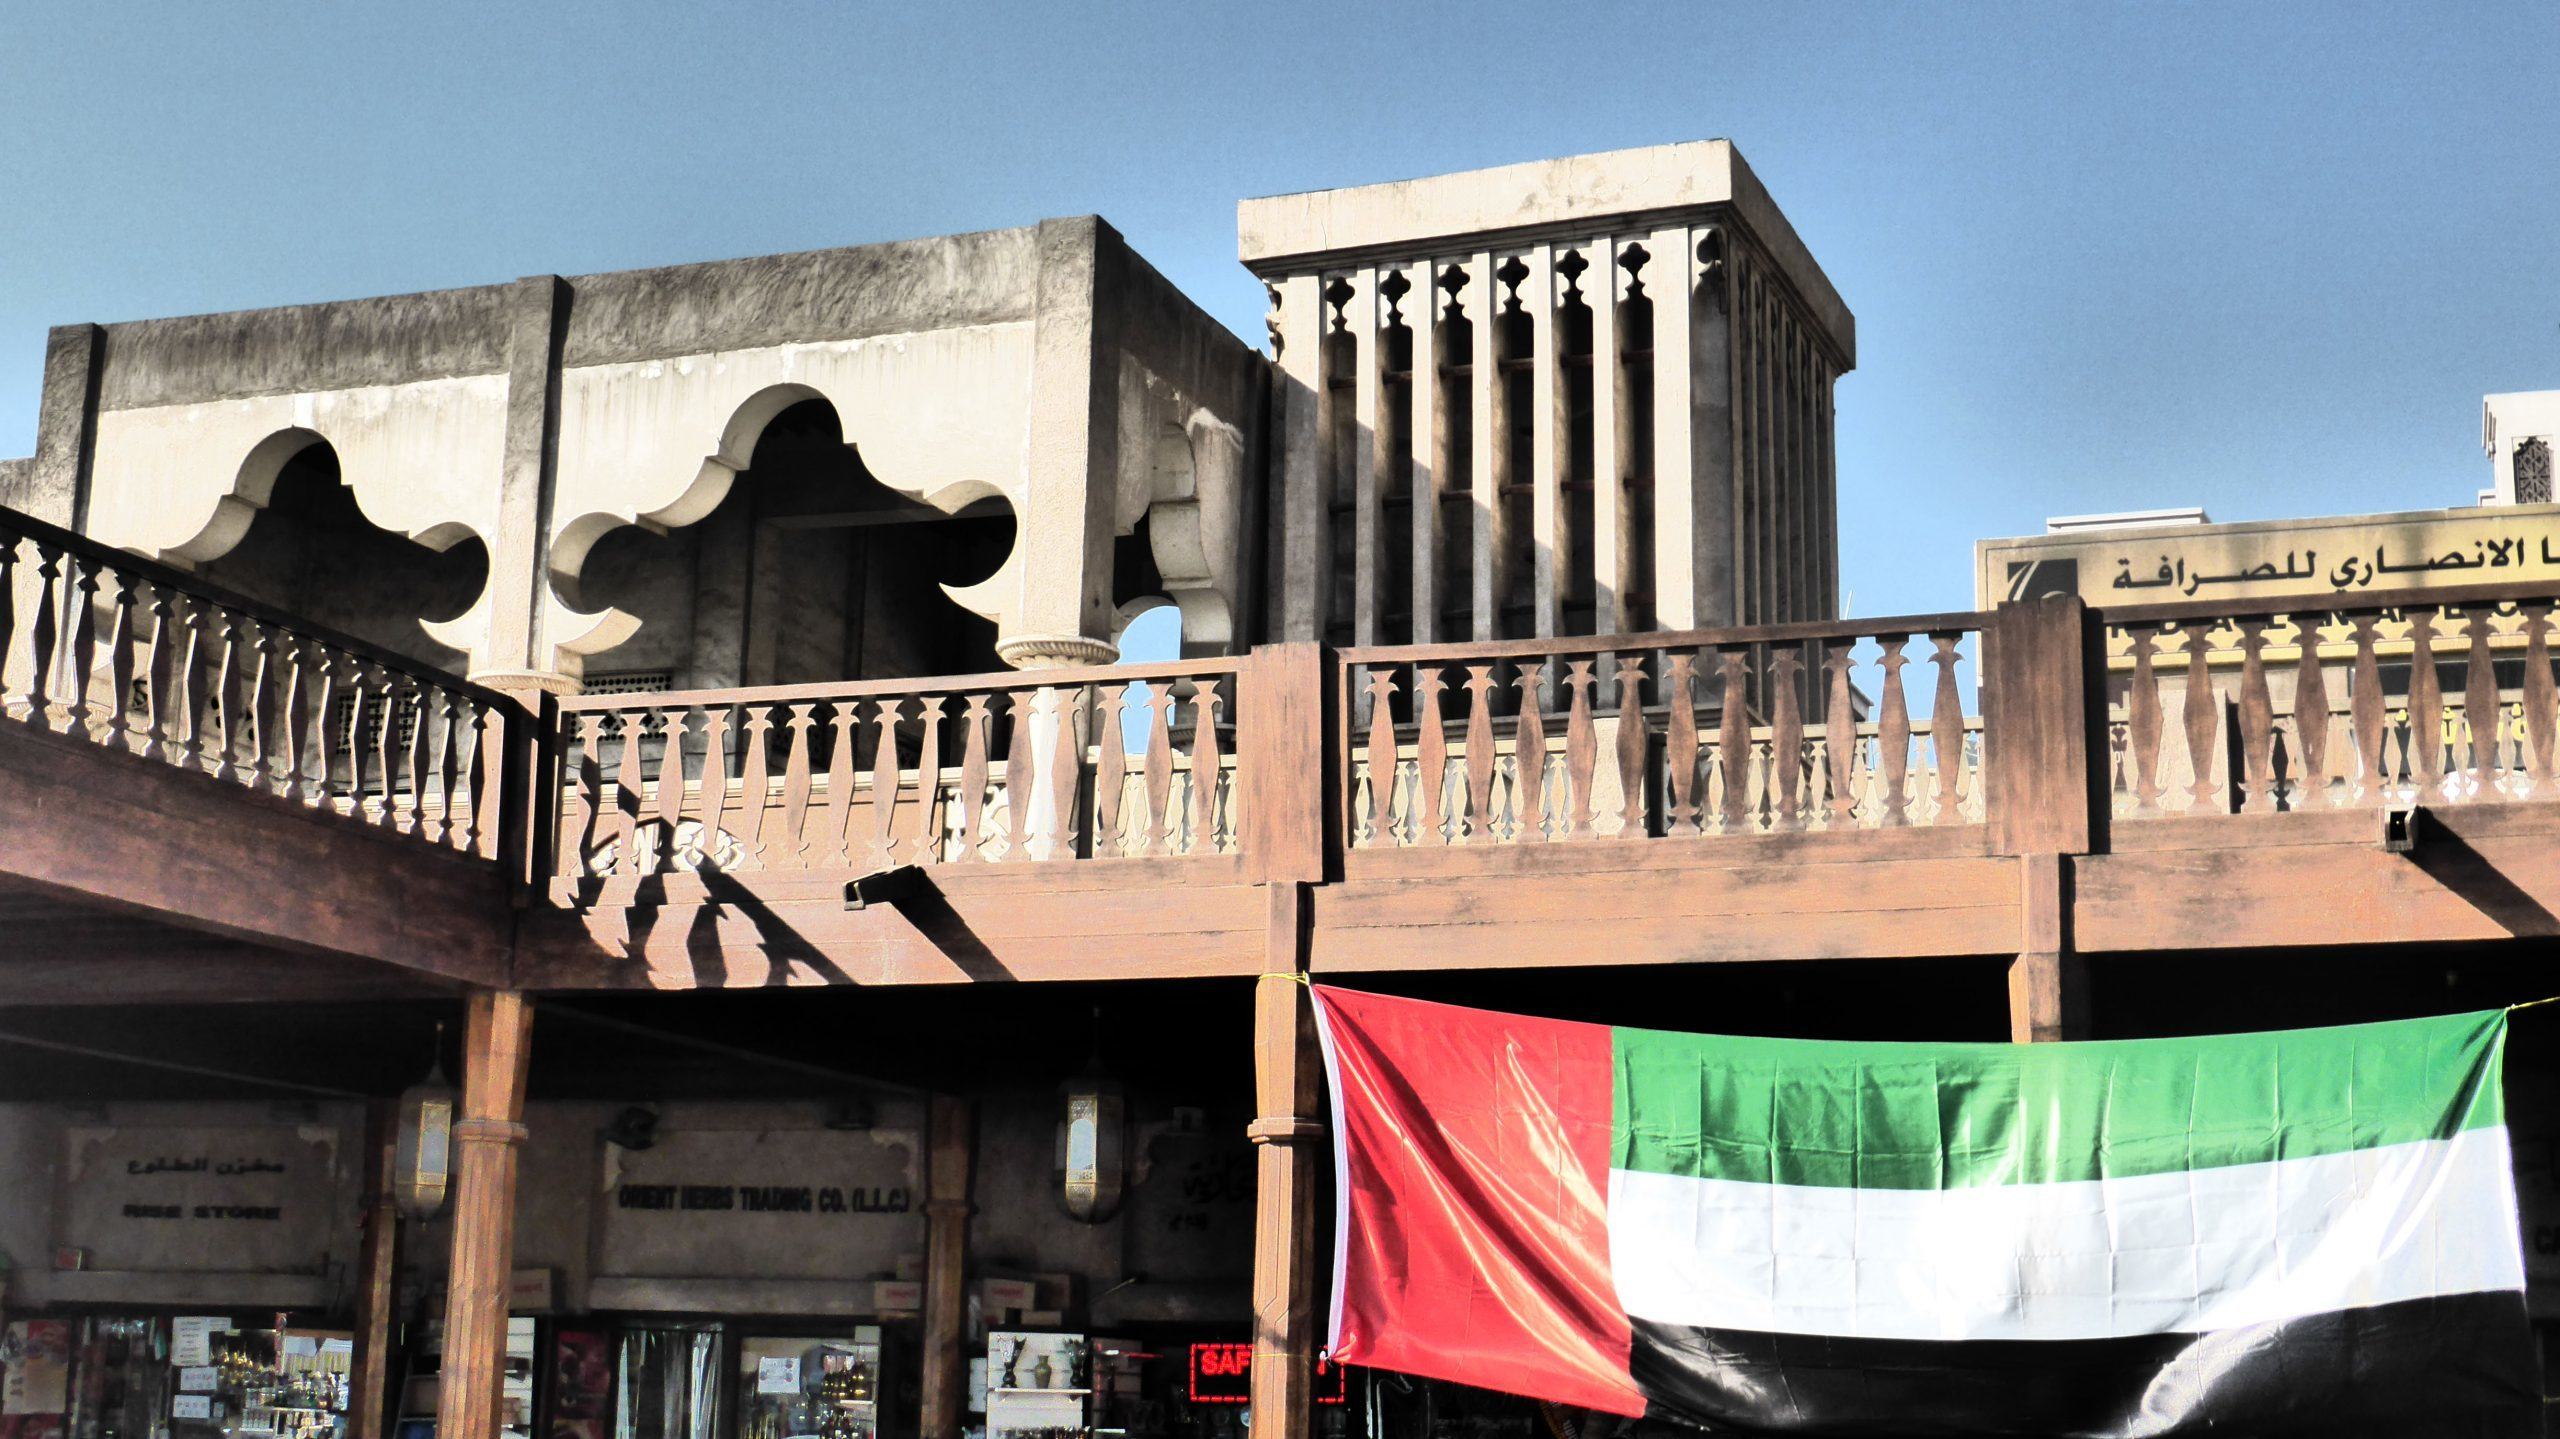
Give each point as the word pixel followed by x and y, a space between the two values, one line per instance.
pixel 120 651
pixel 1100 763
pixel 1776 730
pixel 2435 697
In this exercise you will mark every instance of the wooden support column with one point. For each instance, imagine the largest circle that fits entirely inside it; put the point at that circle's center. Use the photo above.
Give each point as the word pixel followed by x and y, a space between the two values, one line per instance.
pixel 946 1267
pixel 2048 981
pixel 377 1275
pixel 497 1030
pixel 2047 802
pixel 1288 1141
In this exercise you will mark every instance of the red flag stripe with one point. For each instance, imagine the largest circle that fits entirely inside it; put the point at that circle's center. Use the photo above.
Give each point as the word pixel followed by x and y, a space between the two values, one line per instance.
pixel 1472 1235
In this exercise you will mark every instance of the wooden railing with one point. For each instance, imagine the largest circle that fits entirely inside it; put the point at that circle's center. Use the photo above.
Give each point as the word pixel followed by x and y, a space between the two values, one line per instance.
pixel 2435 697
pixel 1122 762
pixel 116 650
pixel 1775 730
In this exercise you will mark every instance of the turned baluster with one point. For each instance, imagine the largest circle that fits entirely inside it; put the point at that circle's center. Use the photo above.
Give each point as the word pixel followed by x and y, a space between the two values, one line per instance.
pixel 42 635
pixel 1681 809
pixel 755 785
pixel 1157 765
pixel 2257 720
pixel 972 798
pixel 932 814
pixel 834 843
pixel 1479 823
pixel 446 758
pixel 2426 707
pixel 588 792
pixel 786 848
pixel 228 713
pixel 1633 747
pixel 671 789
pixel 885 776
pixel 630 782
pixel 2484 715
pixel 2203 719
pixel 157 719
pixel 120 646
pixel 2143 721
pixel 2311 716
pixel 296 722
pixel 80 594
pixel 1529 754
pixel 1377 822
pixel 8 612
pixel 1786 739
pixel 1839 733
pixel 1734 756
pixel 480 815
pixel 1022 777
pixel 2541 697
pixel 1431 757
pixel 1206 761
pixel 1064 765
pixel 1893 735
pixel 2365 715
pixel 1946 731
pixel 1111 776
pixel 257 666
pixel 359 755
pixel 714 787
pixel 1581 750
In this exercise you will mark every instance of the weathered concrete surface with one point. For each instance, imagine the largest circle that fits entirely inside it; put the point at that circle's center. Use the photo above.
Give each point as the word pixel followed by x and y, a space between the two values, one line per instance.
pixel 1543 199
pixel 298 349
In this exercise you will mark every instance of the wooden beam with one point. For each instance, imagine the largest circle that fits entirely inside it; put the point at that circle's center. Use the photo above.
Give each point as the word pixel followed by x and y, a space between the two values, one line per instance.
pixel 497 1031
pixel 1287 1137
pixel 190 969
pixel 1284 762
pixel 377 1276
pixel 106 828
pixel 953 1124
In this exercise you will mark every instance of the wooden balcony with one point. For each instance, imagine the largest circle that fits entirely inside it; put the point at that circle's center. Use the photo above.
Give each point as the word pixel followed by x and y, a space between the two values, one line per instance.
pixel 2041 780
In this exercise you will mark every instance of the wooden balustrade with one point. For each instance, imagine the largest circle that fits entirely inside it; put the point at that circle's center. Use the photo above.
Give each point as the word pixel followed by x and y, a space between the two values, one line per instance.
pixel 1779 729
pixel 115 650
pixel 1122 762
pixel 2433 697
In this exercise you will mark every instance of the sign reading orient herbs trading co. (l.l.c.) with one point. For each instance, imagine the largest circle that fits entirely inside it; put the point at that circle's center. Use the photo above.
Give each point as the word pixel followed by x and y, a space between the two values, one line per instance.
pixel 2342 555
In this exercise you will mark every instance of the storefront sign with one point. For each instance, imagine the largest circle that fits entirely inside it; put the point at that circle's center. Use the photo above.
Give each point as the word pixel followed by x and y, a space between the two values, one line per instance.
pixel 199 1379
pixel 2343 557
pixel 191 1338
pixel 191 1406
pixel 1223 1374
pixel 798 1204
pixel 147 1198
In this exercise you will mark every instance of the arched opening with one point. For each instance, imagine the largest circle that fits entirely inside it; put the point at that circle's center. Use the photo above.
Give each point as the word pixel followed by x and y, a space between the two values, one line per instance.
pixel 311 552
pixel 808 570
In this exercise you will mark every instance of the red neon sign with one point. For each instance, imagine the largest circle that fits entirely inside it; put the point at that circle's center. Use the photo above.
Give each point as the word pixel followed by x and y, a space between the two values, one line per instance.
pixel 1223 1374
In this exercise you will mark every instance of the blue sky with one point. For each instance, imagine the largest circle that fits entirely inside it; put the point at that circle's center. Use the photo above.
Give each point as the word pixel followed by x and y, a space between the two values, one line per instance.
pixel 2258 257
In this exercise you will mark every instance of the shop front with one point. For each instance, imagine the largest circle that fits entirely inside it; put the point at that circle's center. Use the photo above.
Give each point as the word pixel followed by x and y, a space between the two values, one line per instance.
pixel 182 1271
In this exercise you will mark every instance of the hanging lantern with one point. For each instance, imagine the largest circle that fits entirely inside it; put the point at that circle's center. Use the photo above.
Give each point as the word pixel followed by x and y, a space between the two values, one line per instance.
pixel 422 1156
pixel 1093 1143
pixel 1094 1147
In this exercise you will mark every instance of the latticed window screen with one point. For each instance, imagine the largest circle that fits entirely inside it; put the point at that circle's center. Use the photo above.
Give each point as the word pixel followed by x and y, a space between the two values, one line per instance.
pixel 628 682
pixel 2533 472
pixel 404 722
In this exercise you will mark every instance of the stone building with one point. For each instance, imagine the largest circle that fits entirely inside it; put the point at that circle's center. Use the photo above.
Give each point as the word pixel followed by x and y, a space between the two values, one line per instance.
pixel 941 456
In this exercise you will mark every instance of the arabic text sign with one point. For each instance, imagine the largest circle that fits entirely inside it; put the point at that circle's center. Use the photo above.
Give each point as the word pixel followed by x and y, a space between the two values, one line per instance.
pixel 172 1199
pixel 2341 557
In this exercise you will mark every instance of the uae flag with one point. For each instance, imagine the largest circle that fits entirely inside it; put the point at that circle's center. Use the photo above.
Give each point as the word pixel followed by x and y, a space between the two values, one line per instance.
pixel 2302 1233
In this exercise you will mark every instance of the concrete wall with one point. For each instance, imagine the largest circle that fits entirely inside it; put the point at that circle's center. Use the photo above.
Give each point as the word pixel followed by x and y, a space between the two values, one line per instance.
pixel 542 416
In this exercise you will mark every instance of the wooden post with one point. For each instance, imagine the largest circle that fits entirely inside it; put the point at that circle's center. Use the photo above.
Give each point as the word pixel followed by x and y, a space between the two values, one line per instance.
pixel 1287 1140
pixel 2047 800
pixel 1285 764
pixel 377 1275
pixel 497 1030
pixel 946 1273
pixel 2048 981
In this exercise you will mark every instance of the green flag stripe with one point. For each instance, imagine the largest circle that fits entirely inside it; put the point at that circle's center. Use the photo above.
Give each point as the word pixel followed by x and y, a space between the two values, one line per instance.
pixel 1947 1116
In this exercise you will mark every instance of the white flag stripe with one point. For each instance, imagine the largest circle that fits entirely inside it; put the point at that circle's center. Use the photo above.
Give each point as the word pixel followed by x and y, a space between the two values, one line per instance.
pixel 2155 1254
